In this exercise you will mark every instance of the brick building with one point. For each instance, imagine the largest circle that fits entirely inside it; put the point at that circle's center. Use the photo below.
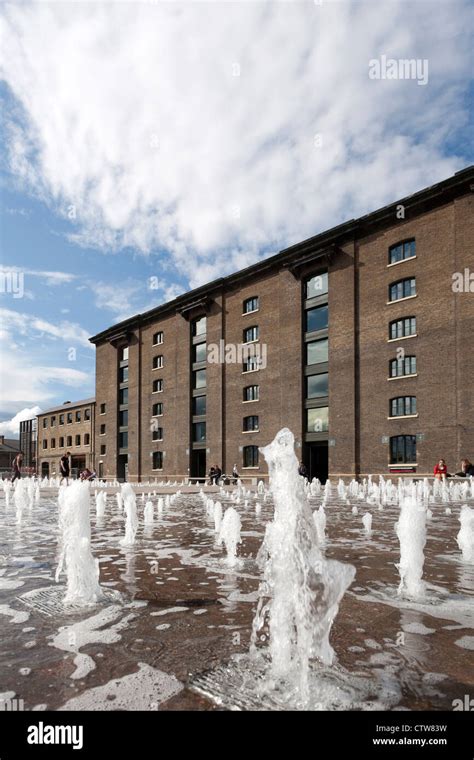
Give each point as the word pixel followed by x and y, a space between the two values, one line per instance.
pixel 365 340
pixel 68 427
pixel 9 448
pixel 28 444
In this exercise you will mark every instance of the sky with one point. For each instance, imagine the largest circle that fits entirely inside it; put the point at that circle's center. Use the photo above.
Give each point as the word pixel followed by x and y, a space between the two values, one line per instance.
pixel 150 147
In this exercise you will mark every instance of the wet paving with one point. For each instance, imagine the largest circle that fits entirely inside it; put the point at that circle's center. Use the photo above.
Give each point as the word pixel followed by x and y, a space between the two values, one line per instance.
pixel 182 614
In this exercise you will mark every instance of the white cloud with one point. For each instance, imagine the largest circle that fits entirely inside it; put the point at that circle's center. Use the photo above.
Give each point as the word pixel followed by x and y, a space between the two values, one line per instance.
pixel 133 115
pixel 28 325
pixel 51 278
pixel 12 427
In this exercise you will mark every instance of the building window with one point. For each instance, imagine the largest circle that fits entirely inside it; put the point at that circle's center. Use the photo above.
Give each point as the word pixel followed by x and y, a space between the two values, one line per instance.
pixel 45 443
pixel 69 441
pixel 123 396
pixel 402 289
pixel 250 305
pixel 123 374
pixel 87 439
pixel 45 422
pixel 53 443
pixel 87 414
pixel 157 460
pixel 251 334
pixel 250 456
pixel 402 406
pixel 402 328
pixel 317 351
pixel 157 410
pixel 69 418
pixel 123 440
pixel 61 443
pixel 317 385
pixel 251 393
pixel 250 364
pixel 403 367
pixel 199 378
pixel 317 420
pixel 78 416
pixel 250 424
pixel 124 354
pixel 157 362
pixel 158 338
pixel 123 418
pixel 199 326
pixel 53 420
pixel 157 434
pixel 102 408
pixel 403 449
pixel 317 319
pixel 199 432
pixel 61 419
pixel 103 449
pixel 317 285
pixel 401 251
pixel 102 429
pixel 157 386
pixel 199 353
pixel 78 440
pixel 199 405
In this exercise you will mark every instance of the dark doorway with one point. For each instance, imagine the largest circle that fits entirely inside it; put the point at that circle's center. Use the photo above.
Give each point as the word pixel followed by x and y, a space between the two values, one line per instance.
pixel 45 469
pixel 316 460
pixel 198 463
pixel 122 467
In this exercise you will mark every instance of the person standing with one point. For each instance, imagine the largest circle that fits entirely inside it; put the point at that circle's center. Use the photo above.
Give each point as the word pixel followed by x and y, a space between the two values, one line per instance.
pixel 440 470
pixel 64 467
pixel 302 470
pixel 17 463
pixel 217 474
pixel 235 474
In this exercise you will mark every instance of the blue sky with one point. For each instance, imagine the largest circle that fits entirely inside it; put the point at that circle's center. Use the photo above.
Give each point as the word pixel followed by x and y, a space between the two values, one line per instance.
pixel 185 141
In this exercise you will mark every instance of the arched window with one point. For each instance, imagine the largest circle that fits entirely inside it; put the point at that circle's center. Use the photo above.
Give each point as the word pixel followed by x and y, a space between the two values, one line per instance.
pixel 402 289
pixel 402 367
pixel 406 249
pixel 402 406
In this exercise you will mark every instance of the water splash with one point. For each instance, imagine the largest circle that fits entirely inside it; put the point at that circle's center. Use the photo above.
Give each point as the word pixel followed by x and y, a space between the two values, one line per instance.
pixel 301 591
pixel 411 532
pixel 465 537
pixel 131 525
pixel 76 558
pixel 230 534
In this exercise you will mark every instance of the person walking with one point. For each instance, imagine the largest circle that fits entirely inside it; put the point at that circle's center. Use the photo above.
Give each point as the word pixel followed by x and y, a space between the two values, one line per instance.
pixel 211 475
pixel 64 467
pixel 16 465
pixel 217 474
pixel 440 470
pixel 235 474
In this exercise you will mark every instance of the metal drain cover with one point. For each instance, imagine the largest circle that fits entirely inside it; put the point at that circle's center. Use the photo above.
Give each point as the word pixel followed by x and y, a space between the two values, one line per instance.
pixel 48 601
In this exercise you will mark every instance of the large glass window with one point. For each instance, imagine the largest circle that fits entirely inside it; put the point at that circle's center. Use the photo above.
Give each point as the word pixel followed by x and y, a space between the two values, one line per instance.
pixel 199 378
pixel 317 420
pixel 199 353
pixel 402 367
pixel 199 405
pixel 251 393
pixel 199 432
pixel 402 289
pixel 401 251
pixel 124 354
pixel 250 457
pixel 317 285
pixel 123 374
pixel 123 396
pixel 123 440
pixel 317 319
pixel 401 328
pixel 317 351
pixel 157 460
pixel 199 326
pixel 123 418
pixel 251 334
pixel 250 304
pixel 403 449
pixel 403 405
pixel 250 423
pixel 317 385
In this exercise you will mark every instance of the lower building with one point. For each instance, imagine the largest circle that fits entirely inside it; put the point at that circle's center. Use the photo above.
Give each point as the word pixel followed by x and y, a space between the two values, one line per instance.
pixel 28 444
pixel 68 428
pixel 9 448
